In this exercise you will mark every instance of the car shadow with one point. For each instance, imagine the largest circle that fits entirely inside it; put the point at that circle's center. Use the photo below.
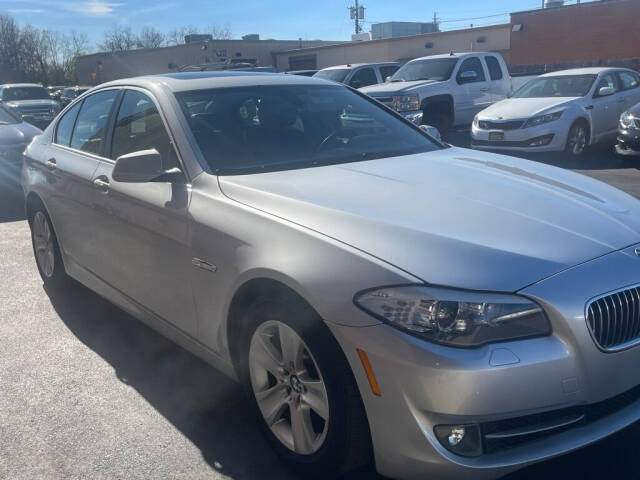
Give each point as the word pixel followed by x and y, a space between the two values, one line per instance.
pixel 211 410
pixel 11 200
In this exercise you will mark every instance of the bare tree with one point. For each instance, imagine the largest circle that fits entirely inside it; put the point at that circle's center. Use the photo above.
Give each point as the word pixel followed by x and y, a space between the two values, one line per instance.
pixel 221 32
pixel 176 36
pixel 118 39
pixel 150 37
pixel 72 46
pixel 10 69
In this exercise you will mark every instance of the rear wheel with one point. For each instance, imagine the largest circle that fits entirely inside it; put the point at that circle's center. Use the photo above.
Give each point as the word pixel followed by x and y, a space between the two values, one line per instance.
pixel 304 393
pixel 577 139
pixel 46 249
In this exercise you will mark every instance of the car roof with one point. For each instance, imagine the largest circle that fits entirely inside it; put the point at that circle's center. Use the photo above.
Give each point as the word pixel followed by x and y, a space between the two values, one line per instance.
pixel 356 65
pixel 12 85
pixel 183 81
pixel 583 71
pixel 452 55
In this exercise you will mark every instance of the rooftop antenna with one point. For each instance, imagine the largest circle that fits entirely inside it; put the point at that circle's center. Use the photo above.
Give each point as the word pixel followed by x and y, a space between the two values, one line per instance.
pixel 451 53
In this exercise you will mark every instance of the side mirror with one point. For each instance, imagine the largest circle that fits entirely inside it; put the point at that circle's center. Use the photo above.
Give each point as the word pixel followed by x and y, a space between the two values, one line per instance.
pixel 138 167
pixel 510 94
pixel 432 131
pixel 606 91
pixel 467 76
pixel 388 79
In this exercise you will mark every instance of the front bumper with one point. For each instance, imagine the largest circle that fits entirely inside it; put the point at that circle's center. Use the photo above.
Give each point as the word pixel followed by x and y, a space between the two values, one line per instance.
pixel 543 138
pixel 424 385
pixel 628 141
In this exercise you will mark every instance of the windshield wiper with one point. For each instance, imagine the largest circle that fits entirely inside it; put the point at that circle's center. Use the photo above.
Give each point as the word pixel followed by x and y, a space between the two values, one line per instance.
pixel 397 80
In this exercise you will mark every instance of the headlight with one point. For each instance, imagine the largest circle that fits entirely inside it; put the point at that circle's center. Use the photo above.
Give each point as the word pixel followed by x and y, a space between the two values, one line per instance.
pixel 455 317
pixel 540 119
pixel 627 120
pixel 405 103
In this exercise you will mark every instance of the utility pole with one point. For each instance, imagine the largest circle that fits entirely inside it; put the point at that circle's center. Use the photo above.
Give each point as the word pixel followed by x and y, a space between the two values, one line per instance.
pixel 357 14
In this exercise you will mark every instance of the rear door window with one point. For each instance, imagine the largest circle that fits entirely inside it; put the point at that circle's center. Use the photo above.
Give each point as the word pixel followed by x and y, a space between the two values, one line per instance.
pixel 493 65
pixel 65 125
pixel 88 134
pixel 628 80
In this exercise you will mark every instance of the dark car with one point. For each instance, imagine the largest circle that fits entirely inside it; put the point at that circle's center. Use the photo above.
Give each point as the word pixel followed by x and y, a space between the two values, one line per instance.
pixel 71 93
pixel 629 132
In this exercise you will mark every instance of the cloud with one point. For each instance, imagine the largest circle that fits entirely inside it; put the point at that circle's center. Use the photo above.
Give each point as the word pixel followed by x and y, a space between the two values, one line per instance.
pixel 18 11
pixel 93 8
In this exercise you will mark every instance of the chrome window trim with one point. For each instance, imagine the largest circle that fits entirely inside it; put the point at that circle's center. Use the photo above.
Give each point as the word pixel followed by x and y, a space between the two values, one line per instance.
pixel 122 88
pixel 618 348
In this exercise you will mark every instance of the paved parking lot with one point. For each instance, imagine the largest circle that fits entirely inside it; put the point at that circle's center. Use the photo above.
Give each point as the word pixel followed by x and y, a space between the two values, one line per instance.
pixel 86 391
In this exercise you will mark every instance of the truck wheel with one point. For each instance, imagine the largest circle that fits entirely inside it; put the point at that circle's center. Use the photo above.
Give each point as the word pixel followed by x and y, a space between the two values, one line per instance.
pixel 438 116
pixel 303 392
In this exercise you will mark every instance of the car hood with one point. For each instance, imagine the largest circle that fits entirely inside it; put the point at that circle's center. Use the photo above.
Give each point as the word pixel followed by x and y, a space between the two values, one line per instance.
pixel 395 88
pixel 17 134
pixel 453 217
pixel 517 108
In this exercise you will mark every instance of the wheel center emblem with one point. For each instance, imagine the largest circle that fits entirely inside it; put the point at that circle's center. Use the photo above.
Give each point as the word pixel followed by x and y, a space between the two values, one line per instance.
pixel 296 384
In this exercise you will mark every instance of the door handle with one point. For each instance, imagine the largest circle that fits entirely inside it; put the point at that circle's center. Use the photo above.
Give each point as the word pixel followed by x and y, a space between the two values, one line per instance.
pixel 102 183
pixel 51 164
pixel 484 89
pixel 621 100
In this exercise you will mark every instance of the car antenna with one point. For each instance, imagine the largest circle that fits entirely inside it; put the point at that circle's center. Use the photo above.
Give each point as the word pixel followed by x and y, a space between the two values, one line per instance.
pixel 451 53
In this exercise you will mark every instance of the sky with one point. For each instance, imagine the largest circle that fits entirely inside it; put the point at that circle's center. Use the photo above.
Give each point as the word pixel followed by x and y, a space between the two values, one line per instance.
pixel 282 19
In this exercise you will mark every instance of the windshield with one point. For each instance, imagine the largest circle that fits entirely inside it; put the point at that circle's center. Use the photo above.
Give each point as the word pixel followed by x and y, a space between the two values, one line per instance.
pixel 335 74
pixel 438 69
pixel 267 128
pixel 556 86
pixel 24 93
pixel 6 118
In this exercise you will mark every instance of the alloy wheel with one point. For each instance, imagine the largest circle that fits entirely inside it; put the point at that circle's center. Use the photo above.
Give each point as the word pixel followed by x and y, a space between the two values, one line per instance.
pixel 288 387
pixel 577 139
pixel 43 244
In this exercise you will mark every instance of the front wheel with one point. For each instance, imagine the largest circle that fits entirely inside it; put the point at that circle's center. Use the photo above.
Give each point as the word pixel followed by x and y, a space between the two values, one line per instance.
pixel 304 393
pixel 577 139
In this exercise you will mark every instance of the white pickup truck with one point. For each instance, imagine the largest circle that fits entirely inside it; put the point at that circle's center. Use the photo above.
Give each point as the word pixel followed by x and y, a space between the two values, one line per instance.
pixel 447 90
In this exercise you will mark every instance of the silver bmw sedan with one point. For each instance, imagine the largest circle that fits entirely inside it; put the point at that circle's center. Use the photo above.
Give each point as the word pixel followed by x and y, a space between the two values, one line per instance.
pixel 387 299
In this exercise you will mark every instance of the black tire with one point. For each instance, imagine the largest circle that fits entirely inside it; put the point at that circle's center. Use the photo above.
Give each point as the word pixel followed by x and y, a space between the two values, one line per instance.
pixel 347 444
pixel 439 116
pixel 51 277
pixel 577 139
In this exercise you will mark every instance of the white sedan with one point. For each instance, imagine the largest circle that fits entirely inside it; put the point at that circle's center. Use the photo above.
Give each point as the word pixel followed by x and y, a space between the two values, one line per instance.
pixel 566 110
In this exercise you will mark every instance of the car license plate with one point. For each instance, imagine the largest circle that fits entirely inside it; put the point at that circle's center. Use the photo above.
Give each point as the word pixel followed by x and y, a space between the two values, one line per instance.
pixel 496 136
